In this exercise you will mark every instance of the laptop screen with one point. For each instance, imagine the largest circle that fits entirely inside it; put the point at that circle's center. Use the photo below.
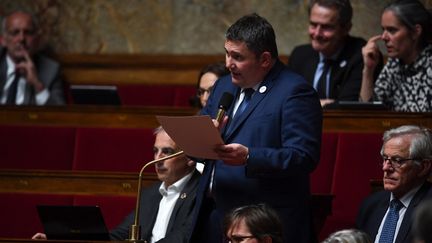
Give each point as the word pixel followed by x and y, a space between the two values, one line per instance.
pixel 73 222
pixel 95 95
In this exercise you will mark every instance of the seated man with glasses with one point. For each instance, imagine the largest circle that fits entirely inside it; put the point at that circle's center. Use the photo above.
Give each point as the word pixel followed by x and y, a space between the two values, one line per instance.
pixel 166 208
pixel 253 224
pixel 407 154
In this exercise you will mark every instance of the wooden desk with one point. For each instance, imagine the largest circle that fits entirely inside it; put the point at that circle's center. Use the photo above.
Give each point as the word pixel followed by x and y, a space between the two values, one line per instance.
pixel 97 116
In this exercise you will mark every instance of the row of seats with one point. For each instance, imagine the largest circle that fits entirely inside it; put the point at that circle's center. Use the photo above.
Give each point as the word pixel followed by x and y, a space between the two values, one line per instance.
pixel 348 162
pixel 69 148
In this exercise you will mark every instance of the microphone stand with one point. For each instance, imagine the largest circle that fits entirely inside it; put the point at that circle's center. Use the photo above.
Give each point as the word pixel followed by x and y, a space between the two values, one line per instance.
pixel 135 229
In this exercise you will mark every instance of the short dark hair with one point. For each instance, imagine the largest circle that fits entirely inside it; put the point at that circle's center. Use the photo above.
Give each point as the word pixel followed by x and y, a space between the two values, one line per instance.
pixel 411 13
pixel 344 8
pixel 261 220
pixel 256 32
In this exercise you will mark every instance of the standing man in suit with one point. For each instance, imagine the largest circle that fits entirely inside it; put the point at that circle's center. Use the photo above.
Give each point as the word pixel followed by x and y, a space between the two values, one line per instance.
pixel 333 61
pixel 407 156
pixel 272 134
pixel 26 78
pixel 166 208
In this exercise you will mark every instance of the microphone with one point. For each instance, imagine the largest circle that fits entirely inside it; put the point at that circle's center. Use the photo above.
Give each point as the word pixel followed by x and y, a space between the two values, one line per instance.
pixel 135 229
pixel 224 104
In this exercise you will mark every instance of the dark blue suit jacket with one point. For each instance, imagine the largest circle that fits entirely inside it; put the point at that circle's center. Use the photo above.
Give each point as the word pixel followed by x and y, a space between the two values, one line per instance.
pixel 374 207
pixel 282 129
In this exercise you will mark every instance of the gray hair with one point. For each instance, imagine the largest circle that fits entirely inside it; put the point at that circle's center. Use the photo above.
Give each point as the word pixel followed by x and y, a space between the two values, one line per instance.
pixel 421 144
pixel 348 236
pixel 35 22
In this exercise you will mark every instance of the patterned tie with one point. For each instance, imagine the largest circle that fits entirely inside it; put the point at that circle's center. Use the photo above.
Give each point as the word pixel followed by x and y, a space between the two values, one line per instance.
pixel 322 81
pixel 11 95
pixel 389 228
pixel 247 97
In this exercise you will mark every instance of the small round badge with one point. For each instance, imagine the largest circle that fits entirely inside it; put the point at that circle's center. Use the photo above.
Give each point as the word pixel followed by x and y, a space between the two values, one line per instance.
pixel 342 64
pixel 262 89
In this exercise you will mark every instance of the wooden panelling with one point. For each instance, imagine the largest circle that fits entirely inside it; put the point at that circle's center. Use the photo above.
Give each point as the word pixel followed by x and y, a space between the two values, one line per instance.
pixel 145 117
pixel 72 182
pixel 120 69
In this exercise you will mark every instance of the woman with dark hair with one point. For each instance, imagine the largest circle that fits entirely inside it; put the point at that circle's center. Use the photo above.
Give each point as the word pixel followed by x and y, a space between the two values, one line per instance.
pixel 253 224
pixel 405 83
pixel 206 79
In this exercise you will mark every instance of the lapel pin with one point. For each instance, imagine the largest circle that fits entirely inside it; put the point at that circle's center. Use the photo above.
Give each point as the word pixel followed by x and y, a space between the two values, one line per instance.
pixel 342 64
pixel 183 195
pixel 262 89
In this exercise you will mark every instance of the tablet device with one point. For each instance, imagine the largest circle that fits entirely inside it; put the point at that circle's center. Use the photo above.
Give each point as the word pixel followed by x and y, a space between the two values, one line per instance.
pixel 95 95
pixel 73 222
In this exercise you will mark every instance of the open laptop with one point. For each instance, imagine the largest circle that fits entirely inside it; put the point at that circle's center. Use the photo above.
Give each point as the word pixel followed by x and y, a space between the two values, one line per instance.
pixel 95 95
pixel 73 222
pixel 356 105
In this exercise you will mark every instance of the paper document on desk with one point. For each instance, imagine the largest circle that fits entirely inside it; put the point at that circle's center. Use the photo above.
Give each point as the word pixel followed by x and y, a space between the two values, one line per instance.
pixel 195 135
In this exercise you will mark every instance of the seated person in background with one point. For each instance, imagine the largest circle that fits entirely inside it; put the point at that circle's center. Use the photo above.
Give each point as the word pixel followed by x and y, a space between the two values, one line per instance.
pixel 348 236
pixel 206 79
pixel 332 62
pixel 26 77
pixel 407 156
pixel 253 224
pixel 405 83
pixel 423 222
pixel 166 207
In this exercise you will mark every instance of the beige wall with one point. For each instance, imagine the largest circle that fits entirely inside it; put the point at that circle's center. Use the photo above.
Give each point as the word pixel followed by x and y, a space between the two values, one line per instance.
pixel 173 26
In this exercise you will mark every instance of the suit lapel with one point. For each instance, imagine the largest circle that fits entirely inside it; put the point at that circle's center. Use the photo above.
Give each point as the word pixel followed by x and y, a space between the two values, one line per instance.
pixel 259 94
pixel 405 227
pixel 149 210
pixel 3 70
pixel 379 215
pixel 310 76
pixel 184 197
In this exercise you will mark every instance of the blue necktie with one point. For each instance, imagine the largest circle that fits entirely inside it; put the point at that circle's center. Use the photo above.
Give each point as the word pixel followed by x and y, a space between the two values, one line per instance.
pixel 322 81
pixel 246 99
pixel 389 228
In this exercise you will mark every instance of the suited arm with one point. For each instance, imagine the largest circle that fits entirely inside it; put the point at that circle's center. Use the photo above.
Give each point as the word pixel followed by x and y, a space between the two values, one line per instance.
pixel 121 232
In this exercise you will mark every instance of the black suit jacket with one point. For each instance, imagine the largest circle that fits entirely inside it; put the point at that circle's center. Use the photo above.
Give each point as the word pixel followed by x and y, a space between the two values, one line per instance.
pixel 346 73
pixel 373 209
pixel 179 225
pixel 48 72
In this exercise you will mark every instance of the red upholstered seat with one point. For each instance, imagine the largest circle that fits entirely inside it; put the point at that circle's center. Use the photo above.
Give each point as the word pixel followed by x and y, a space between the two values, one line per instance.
pixel 163 95
pixel 113 149
pixel 19 215
pixel 36 147
pixel 357 162
pixel 322 177
pixel 114 208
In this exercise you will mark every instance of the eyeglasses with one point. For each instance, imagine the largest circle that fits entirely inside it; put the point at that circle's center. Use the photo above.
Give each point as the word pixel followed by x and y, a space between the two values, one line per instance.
pixel 396 162
pixel 164 151
pixel 239 238
pixel 201 91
